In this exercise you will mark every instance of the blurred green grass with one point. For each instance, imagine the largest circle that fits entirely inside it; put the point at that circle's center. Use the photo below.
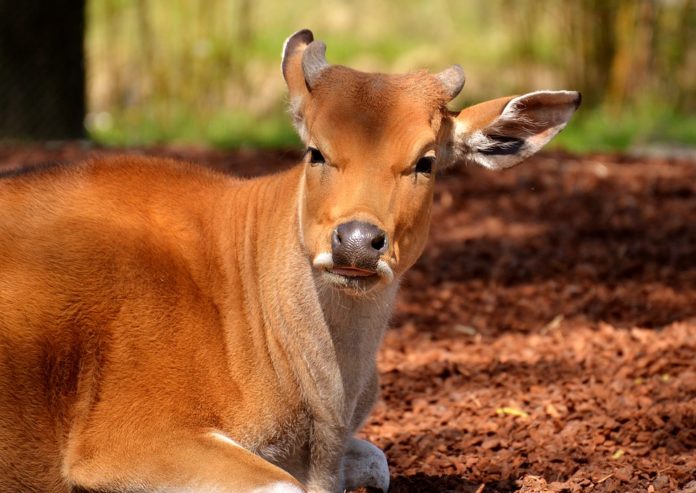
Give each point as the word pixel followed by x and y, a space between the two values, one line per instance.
pixel 598 130
pixel 225 129
pixel 207 72
pixel 591 130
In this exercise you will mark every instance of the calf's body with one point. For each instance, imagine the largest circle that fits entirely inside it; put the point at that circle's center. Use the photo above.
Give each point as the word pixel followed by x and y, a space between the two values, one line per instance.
pixel 165 328
pixel 142 299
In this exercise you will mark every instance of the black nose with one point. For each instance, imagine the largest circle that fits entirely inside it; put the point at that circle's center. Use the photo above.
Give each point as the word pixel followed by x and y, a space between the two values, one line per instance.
pixel 358 244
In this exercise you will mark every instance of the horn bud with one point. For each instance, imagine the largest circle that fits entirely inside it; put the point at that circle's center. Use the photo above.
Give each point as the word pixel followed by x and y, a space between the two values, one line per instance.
pixel 452 80
pixel 314 62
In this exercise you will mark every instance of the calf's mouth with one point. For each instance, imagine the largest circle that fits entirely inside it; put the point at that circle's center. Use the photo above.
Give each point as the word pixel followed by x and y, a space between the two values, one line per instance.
pixel 380 271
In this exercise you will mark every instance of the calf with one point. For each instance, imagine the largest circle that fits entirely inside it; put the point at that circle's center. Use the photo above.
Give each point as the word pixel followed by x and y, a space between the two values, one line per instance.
pixel 165 328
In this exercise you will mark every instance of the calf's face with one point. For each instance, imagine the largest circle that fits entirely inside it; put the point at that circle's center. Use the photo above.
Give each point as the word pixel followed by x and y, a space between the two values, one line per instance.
pixel 374 142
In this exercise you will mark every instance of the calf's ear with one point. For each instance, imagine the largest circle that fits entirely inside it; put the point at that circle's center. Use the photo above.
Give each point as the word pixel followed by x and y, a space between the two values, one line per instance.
pixel 502 132
pixel 291 65
pixel 303 61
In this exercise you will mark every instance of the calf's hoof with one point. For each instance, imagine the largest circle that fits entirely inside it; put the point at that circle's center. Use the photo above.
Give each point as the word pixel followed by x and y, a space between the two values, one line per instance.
pixel 364 465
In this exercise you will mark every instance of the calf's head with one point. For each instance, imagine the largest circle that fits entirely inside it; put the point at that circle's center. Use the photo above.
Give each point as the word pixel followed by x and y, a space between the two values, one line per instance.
pixel 374 143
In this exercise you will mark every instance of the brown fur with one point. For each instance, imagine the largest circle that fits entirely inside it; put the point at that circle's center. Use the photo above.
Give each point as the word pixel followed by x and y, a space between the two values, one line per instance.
pixel 114 302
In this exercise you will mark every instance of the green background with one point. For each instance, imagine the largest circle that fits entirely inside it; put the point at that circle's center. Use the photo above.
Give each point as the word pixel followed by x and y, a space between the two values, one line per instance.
pixel 207 71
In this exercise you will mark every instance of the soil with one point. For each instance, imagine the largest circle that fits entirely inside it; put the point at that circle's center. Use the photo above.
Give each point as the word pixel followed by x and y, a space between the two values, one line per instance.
pixel 546 340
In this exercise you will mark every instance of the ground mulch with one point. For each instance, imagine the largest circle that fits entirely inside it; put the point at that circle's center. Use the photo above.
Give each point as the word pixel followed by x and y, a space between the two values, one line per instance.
pixel 546 340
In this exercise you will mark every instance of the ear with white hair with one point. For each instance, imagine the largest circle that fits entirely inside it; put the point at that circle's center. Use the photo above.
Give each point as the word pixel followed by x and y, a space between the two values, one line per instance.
pixel 500 133
pixel 303 62
pixel 291 64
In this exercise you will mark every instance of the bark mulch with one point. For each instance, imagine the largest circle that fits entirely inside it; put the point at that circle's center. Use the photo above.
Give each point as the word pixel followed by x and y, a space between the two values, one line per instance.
pixel 546 340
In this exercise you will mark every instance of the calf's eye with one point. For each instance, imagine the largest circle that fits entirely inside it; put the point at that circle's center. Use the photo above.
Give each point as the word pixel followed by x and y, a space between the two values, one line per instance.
pixel 425 164
pixel 315 156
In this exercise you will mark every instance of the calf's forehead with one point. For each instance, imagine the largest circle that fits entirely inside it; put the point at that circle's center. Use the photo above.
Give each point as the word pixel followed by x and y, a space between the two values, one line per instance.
pixel 356 107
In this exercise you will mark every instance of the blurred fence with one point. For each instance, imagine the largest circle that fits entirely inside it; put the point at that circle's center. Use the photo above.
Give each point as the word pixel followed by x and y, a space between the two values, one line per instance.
pixel 209 69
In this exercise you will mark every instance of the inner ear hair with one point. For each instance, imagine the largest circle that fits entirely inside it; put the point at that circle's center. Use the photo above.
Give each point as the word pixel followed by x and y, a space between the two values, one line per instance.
pixel 501 145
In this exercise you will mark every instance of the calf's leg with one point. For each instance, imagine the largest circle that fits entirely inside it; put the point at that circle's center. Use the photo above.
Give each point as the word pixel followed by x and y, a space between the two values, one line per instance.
pixel 209 462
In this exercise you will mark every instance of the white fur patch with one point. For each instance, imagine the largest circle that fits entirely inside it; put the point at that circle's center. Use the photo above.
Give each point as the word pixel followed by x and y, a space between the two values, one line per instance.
pixel 221 437
pixel 385 271
pixel 323 261
pixel 282 53
pixel 295 108
pixel 278 487
pixel 476 141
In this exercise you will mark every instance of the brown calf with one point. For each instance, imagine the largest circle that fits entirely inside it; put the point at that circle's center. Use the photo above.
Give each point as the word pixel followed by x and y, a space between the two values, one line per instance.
pixel 166 328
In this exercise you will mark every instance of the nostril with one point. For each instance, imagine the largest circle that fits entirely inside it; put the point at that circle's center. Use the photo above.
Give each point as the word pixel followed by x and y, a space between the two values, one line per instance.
pixel 379 242
pixel 336 239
